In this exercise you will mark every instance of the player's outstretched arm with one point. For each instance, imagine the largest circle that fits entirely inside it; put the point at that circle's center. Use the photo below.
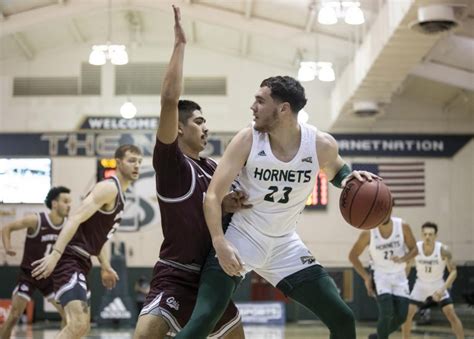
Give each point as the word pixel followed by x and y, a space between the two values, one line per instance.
pixel 172 85
pixel 232 161
pixel 30 222
pixel 333 165
pixel 356 251
pixel 103 193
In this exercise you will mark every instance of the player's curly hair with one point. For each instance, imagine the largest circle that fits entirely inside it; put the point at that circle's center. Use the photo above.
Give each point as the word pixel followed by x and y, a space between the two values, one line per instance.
pixel 430 224
pixel 186 109
pixel 286 89
pixel 54 193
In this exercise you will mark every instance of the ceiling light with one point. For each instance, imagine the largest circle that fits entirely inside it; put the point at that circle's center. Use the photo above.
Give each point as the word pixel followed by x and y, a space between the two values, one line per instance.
pixel 310 69
pixel 307 71
pixel 326 72
pixel 327 16
pixel 97 56
pixel 303 116
pixel 350 11
pixel 354 16
pixel 117 54
pixel 128 110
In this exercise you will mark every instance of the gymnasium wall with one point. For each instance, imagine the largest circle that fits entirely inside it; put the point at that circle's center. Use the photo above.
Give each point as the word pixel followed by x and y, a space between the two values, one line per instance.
pixel 449 184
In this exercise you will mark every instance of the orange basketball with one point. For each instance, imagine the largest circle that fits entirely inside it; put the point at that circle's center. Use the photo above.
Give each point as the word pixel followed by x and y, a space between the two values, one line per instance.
pixel 365 204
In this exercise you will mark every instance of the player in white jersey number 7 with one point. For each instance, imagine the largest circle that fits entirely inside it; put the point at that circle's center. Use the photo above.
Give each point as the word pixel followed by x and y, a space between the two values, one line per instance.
pixel 277 161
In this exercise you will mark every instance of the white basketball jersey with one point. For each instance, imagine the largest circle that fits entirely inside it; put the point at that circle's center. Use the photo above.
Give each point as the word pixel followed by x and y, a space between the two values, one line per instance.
pixel 277 190
pixel 430 268
pixel 381 249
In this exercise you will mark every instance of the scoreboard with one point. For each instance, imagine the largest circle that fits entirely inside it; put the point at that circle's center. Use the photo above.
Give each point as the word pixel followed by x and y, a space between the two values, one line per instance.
pixel 106 168
pixel 318 199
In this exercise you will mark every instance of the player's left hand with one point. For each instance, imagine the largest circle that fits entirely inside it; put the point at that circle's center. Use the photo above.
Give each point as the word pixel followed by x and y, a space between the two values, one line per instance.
pixel 234 201
pixel 109 277
pixel 397 260
pixel 361 176
pixel 438 294
pixel 44 266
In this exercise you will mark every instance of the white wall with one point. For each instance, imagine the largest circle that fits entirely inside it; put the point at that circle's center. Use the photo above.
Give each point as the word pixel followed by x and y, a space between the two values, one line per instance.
pixel 243 79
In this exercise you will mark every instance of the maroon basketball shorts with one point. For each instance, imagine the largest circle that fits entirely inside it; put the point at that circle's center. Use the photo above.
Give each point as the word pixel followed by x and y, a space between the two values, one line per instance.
pixel 70 278
pixel 27 285
pixel 172 296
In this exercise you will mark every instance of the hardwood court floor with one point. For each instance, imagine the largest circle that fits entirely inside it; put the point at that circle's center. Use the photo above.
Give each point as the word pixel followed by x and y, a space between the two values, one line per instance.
pixel 291 331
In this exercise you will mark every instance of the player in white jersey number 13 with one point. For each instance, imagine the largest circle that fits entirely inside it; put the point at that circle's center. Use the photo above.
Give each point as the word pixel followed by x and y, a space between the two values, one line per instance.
pixel 276 161
pixel 432 260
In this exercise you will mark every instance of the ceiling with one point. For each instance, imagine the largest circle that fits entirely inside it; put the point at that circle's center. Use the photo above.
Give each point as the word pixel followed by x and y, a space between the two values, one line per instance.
pixel 276 32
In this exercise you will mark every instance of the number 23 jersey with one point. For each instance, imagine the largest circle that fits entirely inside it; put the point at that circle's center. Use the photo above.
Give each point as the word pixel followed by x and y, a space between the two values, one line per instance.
pixel 277 190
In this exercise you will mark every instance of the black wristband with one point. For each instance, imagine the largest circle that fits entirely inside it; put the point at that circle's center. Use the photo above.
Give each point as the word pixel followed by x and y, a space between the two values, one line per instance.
pixel 344 172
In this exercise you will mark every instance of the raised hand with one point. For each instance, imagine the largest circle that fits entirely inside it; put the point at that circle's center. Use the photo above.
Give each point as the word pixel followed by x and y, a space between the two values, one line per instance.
pixel 179 36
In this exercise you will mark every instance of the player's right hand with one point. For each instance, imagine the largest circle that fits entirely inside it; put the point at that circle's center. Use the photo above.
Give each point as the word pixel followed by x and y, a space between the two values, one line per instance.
pixel 370 287
pixel 228 257
pixel 179 35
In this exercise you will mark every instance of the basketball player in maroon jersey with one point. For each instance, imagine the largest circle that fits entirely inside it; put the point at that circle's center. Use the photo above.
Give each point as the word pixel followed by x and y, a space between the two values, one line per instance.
pixel 182 178
pixel 83 236
pixel 42 231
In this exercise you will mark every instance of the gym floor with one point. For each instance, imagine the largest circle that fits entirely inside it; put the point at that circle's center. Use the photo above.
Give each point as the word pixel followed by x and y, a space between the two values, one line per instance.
pixel 313 330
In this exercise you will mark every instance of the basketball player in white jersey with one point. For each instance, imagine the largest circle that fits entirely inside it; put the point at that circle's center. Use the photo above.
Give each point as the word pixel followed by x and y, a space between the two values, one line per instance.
pixel 277 161
pixel 387 248
pixel 432 259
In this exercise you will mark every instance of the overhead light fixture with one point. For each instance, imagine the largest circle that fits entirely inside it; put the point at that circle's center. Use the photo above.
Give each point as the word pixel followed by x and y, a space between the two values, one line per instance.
pixel 326 72
pixel 327 15
pixel 350 11
pixel 354 16
pixel 128 110
pixel 309 70
pixel 117 54
pixel 303 116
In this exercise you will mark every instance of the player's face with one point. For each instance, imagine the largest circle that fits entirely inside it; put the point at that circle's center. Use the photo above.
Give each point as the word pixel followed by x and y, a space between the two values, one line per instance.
pixel 265 110
pixel 129 165
pixel 429 235
pixel 194 133
pixel 62 204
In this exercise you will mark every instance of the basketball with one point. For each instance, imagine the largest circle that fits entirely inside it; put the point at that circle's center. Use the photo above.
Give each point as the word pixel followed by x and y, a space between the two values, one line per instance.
pixel 365 204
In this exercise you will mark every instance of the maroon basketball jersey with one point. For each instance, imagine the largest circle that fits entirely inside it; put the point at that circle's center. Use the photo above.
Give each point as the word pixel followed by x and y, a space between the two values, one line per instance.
pixel 94 232
pixel 181 183
pixel 40 243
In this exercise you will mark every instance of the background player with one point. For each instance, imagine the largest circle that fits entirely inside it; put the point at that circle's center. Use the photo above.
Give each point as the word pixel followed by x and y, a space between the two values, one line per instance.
pixel 181 183
pixel 387 244
pixel 83 236
pixel 432 259
pixel 42 231
pixel 278 160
